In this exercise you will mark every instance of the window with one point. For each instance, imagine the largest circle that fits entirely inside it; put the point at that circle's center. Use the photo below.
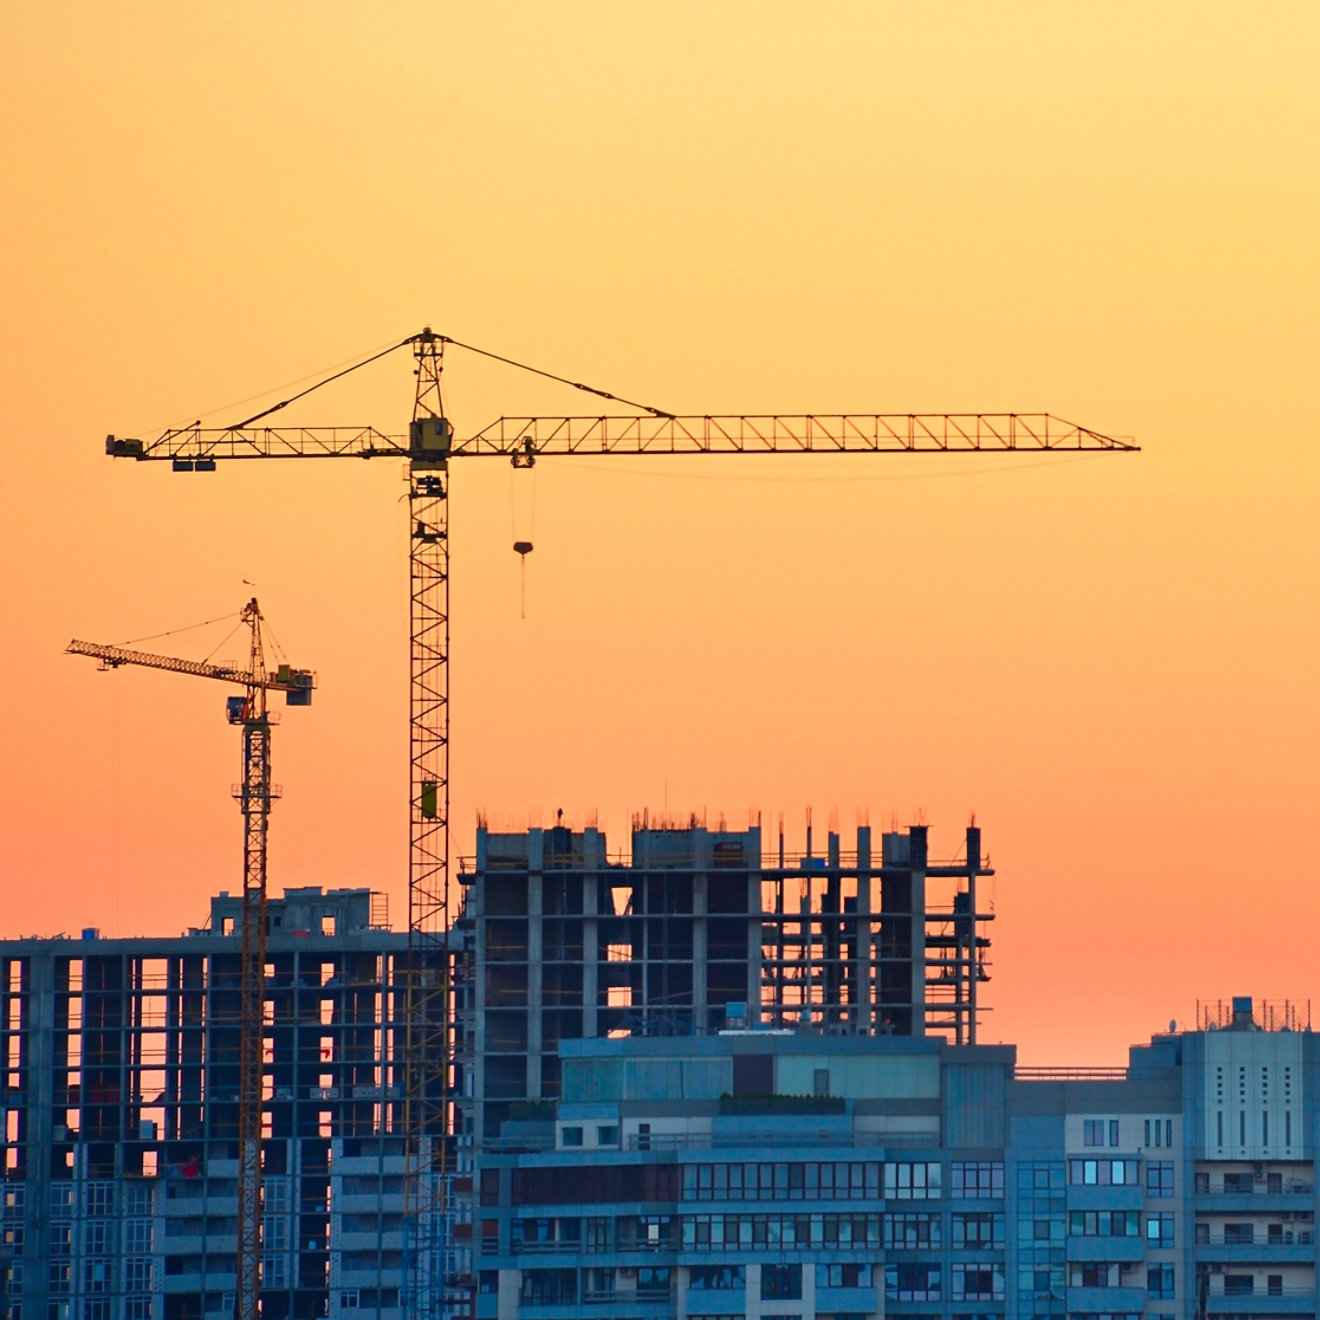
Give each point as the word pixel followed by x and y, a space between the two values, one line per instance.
pixel 350 1299
pixel 1159 1283
pixel 139 1308
pixel 978 1283
pixel 1100 1131
pixel 913 1230
pixel 572 1136
pixel 552 1287
pixel 137 1236
pixel 1239 1235
pixel 607 1134
pixel 912 1283
pixel 1239 1285
pixel 598 1281
pixel 274 1272
pixel 843 1276
pixel 99 1198
pixel 1103 1173
pixel 980 1229
pixel 61 1239
pixel 98 1237
pixel 1093 1274
pixel 977 1179
pixel 96 1308
pixel 717 1276
pixel 137 1275
pixel 1159 1178
pixel 1103 1223
pixel 652 1283
pixel 914 1182
pixel 1159 1229
pixel 781 1283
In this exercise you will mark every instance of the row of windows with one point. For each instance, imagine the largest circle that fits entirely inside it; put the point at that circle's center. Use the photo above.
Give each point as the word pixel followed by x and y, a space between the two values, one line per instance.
pixel 1123 1223
pixel 98 1276
pixel 96 1308
pixel 725 1277
pixel 787 1231
pixel 838 1180
pixel 1104 1132
pixel 1110 1274
pixel 1264 1127
pixel 1122 1173
pixel 910 1230
pixel 923 1283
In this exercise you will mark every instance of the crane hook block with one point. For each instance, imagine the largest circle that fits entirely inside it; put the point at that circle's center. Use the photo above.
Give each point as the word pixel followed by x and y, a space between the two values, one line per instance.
pixel 523 548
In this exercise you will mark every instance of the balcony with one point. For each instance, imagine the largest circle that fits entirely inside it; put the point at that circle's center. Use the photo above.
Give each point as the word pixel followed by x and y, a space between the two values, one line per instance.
pixel 1290 1301
pixel 1294 1197
pixel 1294 1249
pixel 1106 1299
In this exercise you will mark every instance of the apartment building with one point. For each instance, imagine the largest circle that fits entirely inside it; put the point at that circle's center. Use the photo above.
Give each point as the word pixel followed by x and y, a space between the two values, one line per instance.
pixel 120 1097
pixel 793 1174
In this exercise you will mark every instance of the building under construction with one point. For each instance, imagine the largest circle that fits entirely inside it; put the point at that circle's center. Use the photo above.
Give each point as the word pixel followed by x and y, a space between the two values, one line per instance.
pixel 698 931
pixel 120 1092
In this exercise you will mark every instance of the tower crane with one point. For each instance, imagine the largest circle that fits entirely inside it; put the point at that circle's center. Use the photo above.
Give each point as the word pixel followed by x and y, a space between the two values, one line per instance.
pixel 428 448
pixel 254 793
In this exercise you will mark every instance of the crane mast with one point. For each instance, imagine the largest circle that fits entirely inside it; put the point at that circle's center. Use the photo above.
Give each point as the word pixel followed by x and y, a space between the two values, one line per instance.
pixel 428 448
pixel 255 793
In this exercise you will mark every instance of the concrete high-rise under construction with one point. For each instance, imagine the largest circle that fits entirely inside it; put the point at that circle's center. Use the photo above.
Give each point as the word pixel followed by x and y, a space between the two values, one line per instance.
pixel 696 931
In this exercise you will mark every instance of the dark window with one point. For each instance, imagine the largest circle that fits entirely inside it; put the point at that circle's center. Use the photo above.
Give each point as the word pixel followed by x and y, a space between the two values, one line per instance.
pixel 1159 1178
pixel 1159 1283
pixel 781 1283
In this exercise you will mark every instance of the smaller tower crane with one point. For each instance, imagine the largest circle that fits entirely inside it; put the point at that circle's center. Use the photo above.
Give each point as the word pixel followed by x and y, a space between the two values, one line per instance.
pixel 255 793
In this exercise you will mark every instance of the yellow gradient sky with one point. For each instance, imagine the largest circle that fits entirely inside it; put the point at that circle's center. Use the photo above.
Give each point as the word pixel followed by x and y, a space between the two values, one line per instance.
pixel 1106 211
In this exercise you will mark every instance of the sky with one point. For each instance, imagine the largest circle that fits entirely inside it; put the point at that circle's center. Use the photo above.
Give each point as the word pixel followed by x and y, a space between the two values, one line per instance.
pixel 1104 211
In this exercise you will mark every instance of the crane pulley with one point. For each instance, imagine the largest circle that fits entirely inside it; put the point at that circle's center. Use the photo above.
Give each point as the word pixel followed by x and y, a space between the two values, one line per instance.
pixel 428 447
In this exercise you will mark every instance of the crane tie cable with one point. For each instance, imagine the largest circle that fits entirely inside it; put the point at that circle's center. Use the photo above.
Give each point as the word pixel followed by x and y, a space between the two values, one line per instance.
pixel 562 380
pixel 428 336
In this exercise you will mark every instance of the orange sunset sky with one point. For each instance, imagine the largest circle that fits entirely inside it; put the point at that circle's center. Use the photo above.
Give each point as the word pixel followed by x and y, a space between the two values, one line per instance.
pixel 1105 211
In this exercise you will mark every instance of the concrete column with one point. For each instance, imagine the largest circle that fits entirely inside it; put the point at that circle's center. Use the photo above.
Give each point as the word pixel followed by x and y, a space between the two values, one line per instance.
pixel 863 971
pixel 535 981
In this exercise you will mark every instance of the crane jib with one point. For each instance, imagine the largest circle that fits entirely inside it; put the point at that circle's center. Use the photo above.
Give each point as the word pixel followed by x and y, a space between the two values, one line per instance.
pixel 432 440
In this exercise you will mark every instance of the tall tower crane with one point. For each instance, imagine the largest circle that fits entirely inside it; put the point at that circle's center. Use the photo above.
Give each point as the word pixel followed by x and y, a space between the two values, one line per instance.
pixel 428 448
pixel 254 793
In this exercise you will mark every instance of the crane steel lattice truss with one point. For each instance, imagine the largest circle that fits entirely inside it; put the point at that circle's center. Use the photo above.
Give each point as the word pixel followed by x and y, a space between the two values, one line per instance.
pixel 428 448
pixel 255 794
